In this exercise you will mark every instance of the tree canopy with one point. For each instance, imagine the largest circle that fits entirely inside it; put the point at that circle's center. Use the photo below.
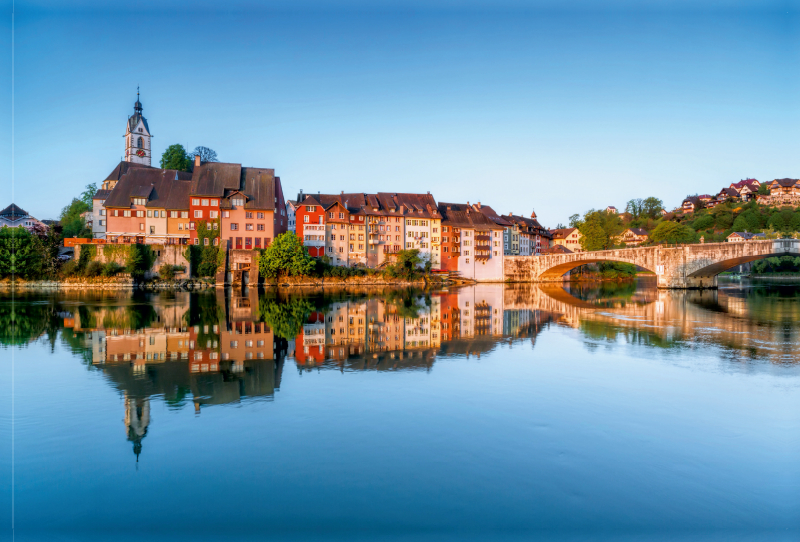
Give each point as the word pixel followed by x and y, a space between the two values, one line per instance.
pixel 672 232
pixel 285 256
pixel 206 154
pixel 599 229
pixel 175 157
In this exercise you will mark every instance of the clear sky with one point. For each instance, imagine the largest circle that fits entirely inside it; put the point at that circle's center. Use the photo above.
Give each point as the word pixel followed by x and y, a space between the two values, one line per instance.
pixel 554 106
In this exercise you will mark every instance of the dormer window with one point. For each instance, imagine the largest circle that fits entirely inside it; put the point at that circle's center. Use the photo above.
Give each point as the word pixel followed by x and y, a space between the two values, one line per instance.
pixel 238 202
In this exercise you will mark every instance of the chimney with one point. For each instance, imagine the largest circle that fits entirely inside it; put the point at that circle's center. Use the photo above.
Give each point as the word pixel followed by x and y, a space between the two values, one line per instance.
pixel 478 205
pixel 196 160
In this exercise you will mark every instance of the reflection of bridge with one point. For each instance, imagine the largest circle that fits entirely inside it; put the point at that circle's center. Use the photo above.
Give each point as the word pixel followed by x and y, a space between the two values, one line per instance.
pixel 690 266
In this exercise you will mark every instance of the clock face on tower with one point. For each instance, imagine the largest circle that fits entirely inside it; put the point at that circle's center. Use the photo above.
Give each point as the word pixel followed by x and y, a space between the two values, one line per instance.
pixel 140 152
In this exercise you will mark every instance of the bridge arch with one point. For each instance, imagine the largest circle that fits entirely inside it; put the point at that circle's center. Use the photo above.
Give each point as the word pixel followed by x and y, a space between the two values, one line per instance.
pixel 557 271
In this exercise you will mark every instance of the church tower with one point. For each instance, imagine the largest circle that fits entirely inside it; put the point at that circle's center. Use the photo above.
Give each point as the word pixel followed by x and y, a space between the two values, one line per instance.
pixel 137 136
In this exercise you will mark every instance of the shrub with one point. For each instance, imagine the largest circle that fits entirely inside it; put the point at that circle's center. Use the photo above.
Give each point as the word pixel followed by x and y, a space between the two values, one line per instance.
pixel 69 268
pixel 167 272
pixel 111 268
pixel 93 269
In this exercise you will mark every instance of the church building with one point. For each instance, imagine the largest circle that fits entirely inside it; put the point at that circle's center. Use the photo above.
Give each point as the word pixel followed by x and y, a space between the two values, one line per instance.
pixel 137 136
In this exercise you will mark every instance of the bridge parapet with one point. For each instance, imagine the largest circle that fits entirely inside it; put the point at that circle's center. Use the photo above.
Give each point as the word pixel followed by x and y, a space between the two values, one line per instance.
pixel 687 266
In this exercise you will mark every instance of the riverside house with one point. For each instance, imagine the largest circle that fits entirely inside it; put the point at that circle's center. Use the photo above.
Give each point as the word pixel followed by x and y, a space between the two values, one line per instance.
pixel 245 204
pixel 137 206
pixel 471 243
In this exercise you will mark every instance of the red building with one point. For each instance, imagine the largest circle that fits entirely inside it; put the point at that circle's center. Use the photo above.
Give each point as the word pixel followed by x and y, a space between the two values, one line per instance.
pixel 310 225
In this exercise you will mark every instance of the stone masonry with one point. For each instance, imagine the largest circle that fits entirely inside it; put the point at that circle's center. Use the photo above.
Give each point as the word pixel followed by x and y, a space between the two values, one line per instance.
pixel 689 266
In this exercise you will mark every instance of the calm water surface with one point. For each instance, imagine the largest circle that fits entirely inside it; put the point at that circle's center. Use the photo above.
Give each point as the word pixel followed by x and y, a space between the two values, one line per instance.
pixel 488 412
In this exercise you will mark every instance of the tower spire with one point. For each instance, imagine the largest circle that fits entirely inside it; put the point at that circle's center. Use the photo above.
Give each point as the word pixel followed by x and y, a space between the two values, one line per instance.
pixel 137 107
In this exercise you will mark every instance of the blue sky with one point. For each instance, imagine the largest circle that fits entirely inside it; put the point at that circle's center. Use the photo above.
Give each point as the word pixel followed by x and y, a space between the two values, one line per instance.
pixel 557 107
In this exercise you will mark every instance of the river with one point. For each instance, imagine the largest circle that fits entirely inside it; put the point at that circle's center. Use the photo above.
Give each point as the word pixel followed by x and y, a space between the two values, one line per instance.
pixel 583 412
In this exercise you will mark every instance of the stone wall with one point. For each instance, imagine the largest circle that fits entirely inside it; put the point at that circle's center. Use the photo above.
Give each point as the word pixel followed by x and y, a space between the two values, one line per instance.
pixel 165 254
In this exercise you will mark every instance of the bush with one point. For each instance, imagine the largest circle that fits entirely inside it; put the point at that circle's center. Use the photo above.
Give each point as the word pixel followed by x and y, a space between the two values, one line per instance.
pixel 168 272
pixel 69 268
pixel 93 269
pixel 111 268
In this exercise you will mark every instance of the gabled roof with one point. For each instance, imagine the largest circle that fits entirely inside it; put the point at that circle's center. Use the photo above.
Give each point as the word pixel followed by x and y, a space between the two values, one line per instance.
pixel 728 192
pixel 142 182
pixel 13 212
pixel 122 168
pixel 417 205
pixel 462 215
pixel 562 233
pixel 488 211
pixel 786 183
pixel 133 122
pixel 752 184
pixel 258 184
pixel 213 178
pixel 746 234
pixel 638 231
pixel 556 249
pixel 101 194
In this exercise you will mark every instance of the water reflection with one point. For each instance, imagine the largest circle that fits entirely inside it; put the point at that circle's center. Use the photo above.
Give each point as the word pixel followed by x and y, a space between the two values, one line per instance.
pixel 219 348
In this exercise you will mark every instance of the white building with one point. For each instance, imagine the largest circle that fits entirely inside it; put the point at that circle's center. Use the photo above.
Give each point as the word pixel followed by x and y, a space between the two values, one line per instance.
pixel 99 219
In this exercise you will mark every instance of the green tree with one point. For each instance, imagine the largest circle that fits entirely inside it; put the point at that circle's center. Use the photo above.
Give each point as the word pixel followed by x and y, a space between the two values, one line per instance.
pixel 574 220
pixel 407 265
pixel 88 194
pixel 672 232
pixel 72 224
pixel 763 190
pixel 651 207
pixel 285 256
pixel 175 157
pixel 599 229
pixel 635 207
pixel 703 222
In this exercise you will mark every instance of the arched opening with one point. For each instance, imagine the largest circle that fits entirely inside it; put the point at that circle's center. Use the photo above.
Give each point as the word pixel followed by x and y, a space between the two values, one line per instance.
pixel 711 271
pixel 140 143
pixel 558 271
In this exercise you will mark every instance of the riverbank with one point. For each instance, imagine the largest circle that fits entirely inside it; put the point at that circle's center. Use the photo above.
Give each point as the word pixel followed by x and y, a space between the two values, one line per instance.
pixel 127 283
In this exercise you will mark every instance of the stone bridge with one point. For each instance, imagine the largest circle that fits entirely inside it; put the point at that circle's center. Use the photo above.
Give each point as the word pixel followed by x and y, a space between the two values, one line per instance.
pixel 689 266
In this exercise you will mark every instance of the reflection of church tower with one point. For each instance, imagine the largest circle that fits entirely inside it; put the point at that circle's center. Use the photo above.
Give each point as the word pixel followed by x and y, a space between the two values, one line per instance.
pixel 137 136
pixel 137 418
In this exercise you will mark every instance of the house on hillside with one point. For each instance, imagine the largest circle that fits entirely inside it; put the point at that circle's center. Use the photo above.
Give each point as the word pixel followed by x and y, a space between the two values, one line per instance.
pixel 556 249
pixel 691 204
pixel 611 209
pixel 633 237
pixel 747 188
pixel 741 236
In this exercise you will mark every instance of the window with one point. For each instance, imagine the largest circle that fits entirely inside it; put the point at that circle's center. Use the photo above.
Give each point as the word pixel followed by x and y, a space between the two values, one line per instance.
pixel 195 201
pixel 102 222
pixel 260 215
pixel 226 214
pixel 141 227
pixel 150 214
pixel 258 242
pixel 152 230
pixel 173 214
pixel 234 226
pixel 341 216
pixel 305 219
pixel 248 227
pixel 184 214
pixel 260 227
pixel 180 225
pixel 330 215
pixel 311 208
pixel 139 143
pixel 214 202
pixel 213 214
pixel 198 214
pixel 248 214
pixel 140 214
pixel 216 226
pixel 204 202
pixel 238 202
pixel 205 241
pixel 320 220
